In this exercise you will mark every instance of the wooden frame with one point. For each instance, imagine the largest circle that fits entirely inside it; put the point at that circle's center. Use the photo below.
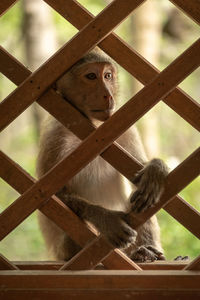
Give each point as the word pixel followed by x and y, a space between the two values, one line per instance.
pixel 141 280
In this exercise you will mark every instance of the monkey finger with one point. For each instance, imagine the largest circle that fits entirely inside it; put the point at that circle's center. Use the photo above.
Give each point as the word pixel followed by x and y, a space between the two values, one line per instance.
pixel 134 196
pixel 140 205
pixel 159 254
pixel 137 177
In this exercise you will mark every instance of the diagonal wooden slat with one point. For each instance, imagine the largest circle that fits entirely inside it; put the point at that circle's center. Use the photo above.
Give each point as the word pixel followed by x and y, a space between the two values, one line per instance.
pixel 5 5
pixel 35 85
pixel 194 265
pixel 115 155
pixel 5 264
pixel 191 8
pixel 100 139
pixel 173 186
pixel 58 212
pixel 130 60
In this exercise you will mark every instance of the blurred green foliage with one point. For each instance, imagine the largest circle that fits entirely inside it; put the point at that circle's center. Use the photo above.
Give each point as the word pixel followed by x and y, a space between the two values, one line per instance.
pixel 177 138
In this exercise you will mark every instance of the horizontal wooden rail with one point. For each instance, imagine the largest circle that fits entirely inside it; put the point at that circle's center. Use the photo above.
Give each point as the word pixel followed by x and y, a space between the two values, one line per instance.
pixel 130 60
pixel 35 85
pixel 56 265
pixel 115 155
pixel 100 280
pixel 100 139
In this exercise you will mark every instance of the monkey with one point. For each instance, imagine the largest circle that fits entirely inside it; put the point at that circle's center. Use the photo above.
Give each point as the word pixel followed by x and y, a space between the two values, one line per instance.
pixel 97 193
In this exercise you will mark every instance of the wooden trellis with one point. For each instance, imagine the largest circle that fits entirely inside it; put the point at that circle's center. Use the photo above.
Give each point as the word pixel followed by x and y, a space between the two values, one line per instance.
pixel 37 280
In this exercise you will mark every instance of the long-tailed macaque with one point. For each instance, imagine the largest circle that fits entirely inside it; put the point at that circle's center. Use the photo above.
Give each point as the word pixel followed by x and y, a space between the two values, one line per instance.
pixel 97 194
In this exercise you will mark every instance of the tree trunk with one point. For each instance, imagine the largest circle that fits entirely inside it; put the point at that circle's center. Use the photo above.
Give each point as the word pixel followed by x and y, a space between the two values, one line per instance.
pixel 40 42
pixel 146 33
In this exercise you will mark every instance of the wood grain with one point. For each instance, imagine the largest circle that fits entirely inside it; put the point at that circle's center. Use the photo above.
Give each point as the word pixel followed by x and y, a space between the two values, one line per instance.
pixel 96 294
pixel 5 5
pixel 190 7
pixel 189 280
pixel 194 265
pixel 56 265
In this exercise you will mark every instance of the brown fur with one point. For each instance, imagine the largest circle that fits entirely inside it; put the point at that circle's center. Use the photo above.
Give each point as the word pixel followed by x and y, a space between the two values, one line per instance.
pixel 97 194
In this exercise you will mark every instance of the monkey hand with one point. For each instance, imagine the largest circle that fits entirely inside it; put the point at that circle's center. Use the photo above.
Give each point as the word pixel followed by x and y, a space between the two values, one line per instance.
pixel 112 224
pixel 115 228
pixel 150 185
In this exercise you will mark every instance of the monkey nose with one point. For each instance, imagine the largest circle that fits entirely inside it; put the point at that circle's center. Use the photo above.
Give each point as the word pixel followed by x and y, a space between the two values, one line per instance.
pixel 109 100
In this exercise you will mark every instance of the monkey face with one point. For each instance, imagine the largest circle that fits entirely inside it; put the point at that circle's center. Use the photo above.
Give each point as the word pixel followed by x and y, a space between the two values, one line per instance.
pixel 91 87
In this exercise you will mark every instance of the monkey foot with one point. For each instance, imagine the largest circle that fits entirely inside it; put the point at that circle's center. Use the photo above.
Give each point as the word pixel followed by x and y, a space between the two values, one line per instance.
pixel 146 253
pixel 182 257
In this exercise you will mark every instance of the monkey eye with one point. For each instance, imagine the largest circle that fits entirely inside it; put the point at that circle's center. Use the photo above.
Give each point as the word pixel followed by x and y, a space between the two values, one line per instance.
pixel 91 76
pixel 108 76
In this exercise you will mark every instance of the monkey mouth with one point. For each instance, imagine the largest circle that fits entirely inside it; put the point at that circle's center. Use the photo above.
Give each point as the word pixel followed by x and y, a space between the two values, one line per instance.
pixel 101 110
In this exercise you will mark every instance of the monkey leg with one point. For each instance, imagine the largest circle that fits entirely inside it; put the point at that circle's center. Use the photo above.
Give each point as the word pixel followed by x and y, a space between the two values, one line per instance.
pixel 150 185
pixel 112 224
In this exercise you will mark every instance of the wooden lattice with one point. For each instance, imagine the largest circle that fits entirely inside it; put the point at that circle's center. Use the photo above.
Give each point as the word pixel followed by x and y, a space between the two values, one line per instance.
pixel 39 279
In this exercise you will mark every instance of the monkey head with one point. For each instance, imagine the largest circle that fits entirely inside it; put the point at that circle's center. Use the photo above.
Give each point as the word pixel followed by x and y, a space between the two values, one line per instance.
pixel 91 85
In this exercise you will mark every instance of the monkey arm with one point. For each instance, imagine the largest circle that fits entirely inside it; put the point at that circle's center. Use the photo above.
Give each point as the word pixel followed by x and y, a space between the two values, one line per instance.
pixel 113 224
pixel 150 182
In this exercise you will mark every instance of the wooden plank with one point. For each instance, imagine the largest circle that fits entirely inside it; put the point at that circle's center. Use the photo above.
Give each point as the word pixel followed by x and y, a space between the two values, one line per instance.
pixel 58 212
pixel 36 84
pixel 5 5
pixel 95 294
pixel 191 8
pixel 188 280
pixel 12 68
pixel 5 264
pixel 56 265
pixel 183 212
pixel 194 265
pixel 115 155
pixel 100 139
pixel 130 60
